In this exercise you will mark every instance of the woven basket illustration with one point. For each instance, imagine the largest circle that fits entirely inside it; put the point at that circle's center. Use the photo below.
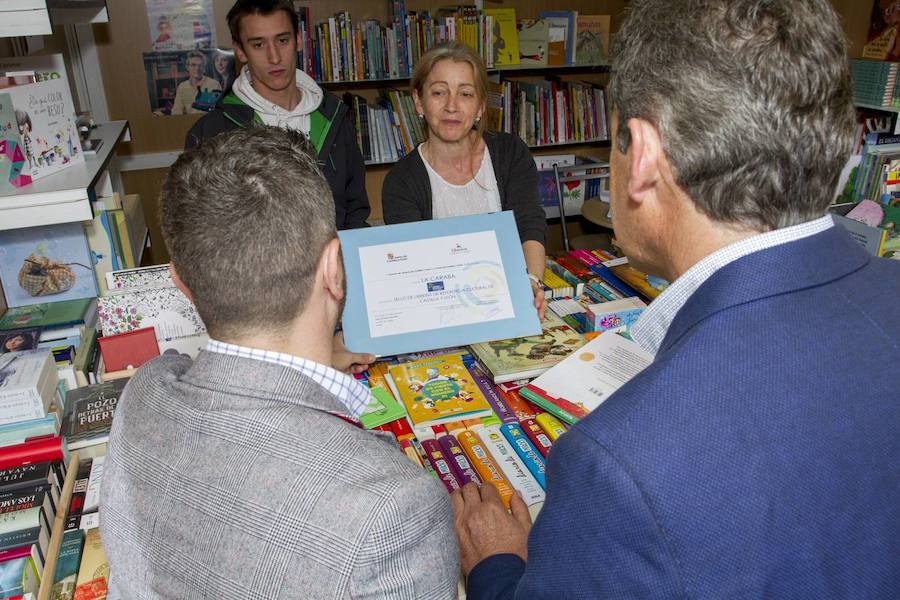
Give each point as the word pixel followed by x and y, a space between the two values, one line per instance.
pixel 40 276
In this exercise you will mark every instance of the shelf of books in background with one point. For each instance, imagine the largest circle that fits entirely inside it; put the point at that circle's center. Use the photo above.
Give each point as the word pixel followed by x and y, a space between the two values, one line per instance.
pixel 868 195
pixel 546 112
pixel 491 411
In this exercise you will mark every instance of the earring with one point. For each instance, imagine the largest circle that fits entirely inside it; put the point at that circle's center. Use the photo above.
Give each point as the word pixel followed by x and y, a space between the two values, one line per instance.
pixel 421 116
pixel 478 119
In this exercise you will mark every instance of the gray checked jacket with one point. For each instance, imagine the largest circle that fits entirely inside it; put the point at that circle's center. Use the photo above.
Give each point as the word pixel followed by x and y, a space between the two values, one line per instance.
pixel 228 477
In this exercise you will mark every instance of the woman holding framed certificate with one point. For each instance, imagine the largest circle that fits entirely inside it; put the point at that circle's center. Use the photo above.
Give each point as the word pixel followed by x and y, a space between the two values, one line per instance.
pixel 462 169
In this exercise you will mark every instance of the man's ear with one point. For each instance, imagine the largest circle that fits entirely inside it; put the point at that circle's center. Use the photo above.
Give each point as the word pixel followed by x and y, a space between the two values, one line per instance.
pixel 239 50
pixel 644 155
pixel 332 269
pixel 179 283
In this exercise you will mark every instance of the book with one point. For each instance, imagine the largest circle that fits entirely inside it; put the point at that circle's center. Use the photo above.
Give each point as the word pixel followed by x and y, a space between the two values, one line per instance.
pixel 49 315
pixel 382 409
pixel 15 340
pixel 565 24
pixel 28 381
pixel 49 262
pixel 592 39
pixel 437 390
pixel 93 573
pixel 92 494
pixel 48 448
pixel 14 168
pixel 647 286
pixel 537 436
pixel 48 132
pixel 18 432
pixel 442 467
pixel 32 478
pixel 505 36
pixel 534 37
pixel 615 315
pixel 526 357
pixel 882 40
pixel 483 463
pixel 128 350
pixel 19 576
pixel 454 455
pixel 67 565
pixel 588 377
pixel 513 469
pixel 89 413
pixel 528 454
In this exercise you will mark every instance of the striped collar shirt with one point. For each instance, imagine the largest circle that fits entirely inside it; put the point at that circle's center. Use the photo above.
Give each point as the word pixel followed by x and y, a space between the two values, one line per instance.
pixel 351 393
pixel 650 329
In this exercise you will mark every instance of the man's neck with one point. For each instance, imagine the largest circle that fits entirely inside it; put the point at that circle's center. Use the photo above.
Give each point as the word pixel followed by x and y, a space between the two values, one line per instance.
pixel 307 338
pixel 288 98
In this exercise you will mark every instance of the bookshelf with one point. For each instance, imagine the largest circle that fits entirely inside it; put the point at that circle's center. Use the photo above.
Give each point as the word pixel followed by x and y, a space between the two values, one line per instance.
pixel 66 196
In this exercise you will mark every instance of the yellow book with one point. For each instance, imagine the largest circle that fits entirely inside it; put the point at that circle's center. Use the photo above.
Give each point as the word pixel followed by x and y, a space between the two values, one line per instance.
pixel 505 36
pixel 437 390
pixel 551 425
pixel 93 574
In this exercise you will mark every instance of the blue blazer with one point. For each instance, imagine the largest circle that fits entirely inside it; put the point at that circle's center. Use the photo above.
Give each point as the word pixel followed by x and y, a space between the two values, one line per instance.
pixel 757 457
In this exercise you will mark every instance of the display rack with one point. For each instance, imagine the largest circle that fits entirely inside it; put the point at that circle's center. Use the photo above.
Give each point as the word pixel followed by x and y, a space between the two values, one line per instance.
pixel 66 196
pixel 574 173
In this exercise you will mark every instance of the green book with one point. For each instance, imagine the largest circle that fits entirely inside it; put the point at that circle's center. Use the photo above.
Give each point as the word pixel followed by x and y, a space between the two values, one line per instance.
pixel 382 409
pixel 548 406
pixel 67 565
pixel 47 314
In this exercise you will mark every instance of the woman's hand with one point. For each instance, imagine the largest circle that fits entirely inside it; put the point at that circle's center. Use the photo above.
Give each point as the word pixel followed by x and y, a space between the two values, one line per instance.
pixel 540 302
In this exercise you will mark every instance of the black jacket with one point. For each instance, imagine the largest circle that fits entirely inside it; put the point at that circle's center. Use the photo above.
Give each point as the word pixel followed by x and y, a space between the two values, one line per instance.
pixel 406 194
pixel 333 135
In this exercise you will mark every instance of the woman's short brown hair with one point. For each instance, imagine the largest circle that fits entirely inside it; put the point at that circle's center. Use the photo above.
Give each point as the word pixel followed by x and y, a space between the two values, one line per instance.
pixel 457 52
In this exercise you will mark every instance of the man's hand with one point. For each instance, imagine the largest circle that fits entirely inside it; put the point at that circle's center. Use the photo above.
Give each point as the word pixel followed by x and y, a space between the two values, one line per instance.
pixel 344 360
pixel 484 528
pixel 540 301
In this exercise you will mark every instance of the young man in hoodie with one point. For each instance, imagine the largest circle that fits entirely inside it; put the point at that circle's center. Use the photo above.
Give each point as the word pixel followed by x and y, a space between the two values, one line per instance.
pixel 270 90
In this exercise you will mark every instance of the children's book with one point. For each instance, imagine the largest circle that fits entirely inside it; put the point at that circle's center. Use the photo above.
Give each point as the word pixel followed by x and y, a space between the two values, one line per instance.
pixel 648 286
pixel 525 357
pixel 534 36
pixel 438 390
pixel 584 380
pixel 14 169
pixel 46 263
pixel 46 118
pixel 506 37
pixel 884 38
pixel 615 315
pixel 592 39
pixel 565 22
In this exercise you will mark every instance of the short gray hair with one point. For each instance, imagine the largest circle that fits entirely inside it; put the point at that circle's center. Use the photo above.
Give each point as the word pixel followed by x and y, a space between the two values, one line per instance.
pixel 245 217
pixel 752 99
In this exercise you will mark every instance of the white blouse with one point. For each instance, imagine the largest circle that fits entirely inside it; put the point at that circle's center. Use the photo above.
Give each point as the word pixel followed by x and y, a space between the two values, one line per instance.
pixel 478 196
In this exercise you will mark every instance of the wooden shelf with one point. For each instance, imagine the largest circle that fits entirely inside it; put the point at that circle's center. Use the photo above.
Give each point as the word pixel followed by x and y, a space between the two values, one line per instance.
pixel 892 109
pixel 513 69
pixel 65 196
pixel 602 142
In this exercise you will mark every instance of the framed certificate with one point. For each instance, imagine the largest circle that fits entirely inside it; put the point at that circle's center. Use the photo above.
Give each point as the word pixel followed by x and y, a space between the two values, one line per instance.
pixel 435 284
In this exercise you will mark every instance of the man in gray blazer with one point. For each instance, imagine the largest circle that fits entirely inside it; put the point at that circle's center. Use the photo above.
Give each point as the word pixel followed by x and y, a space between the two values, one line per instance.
pixel 245 473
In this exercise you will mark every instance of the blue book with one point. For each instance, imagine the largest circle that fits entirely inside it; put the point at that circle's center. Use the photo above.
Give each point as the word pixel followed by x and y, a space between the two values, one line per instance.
pixel 436 284
pixel 526 450
pixel 16 433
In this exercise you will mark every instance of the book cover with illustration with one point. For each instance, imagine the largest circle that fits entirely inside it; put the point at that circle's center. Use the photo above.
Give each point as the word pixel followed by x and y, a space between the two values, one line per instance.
pixel 884 31
pixel 505 36
pixel 14 168
pixel 437 390
pixel 47 126
pixel 525 357
pixel 46 314
pixel 592 39
pixel 46 263
pixel 534 37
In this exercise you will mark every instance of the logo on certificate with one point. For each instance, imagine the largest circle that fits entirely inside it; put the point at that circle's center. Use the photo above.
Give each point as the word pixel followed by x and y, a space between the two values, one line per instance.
pixel 435 286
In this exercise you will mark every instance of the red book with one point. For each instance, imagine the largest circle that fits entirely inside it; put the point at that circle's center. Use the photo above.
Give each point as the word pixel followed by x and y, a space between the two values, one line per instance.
pixel 401 429
pixel 35 450
pixel 575 266
pixel 128 350
pixel 537 436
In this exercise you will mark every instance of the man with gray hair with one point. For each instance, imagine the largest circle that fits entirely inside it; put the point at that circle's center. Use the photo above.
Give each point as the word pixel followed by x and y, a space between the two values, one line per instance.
pixel 757 456
pixel 245 473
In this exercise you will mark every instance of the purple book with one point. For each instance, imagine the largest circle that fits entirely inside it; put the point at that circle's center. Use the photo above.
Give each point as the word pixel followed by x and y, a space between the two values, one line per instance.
pixel 487 388
pixel 454 454
pixel 441 466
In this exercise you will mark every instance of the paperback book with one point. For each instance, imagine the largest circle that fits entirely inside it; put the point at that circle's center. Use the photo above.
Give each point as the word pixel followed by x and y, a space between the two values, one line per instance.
pixel 526 357
pixel 14 168
pixel 437 390
pixel 89 413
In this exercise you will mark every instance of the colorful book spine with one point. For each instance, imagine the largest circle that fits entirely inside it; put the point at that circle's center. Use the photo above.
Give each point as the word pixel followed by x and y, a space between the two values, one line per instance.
pixel 551 426
pixel 526 451
pixel 516 472
pixel 537 436
pixel 454 454
pixel 517 405
pixel 440 465
pixel 488 470
pixel 423 458
pixel 490 393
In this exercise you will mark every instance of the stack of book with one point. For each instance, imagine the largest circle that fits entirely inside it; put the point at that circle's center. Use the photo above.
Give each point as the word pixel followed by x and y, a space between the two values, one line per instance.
pixel 33 455
pixel 875 83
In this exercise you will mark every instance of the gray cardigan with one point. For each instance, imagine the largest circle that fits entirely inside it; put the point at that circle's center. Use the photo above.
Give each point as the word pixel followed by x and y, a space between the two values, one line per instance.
pixel 406 194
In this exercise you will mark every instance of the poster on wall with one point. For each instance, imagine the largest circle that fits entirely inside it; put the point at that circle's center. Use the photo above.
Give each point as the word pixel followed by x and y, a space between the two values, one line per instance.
pixel 181 83
pixel 181 24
